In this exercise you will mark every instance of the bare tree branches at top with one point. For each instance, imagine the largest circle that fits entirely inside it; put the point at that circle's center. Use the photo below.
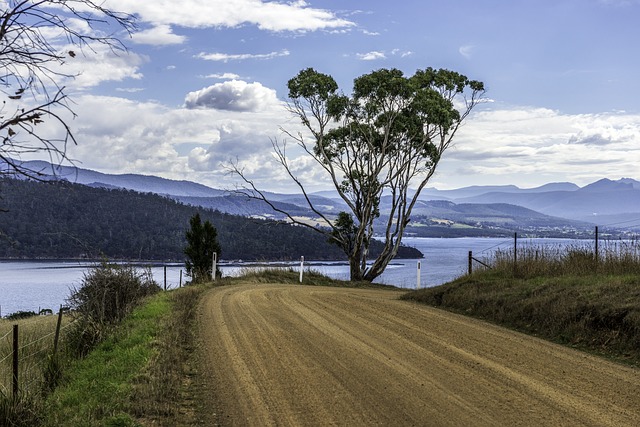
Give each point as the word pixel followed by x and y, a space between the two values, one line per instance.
pixel 37 39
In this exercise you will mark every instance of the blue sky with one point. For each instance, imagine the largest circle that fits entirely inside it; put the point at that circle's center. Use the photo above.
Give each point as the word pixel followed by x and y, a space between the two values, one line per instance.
pixel 204 82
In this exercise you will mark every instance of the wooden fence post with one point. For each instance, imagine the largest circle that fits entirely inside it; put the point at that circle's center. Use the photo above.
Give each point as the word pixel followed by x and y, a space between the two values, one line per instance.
pixel 15 361
pixel 180 278
pixel 165 277
pixel 57 336
pixel 596 249
pixel 470 262
pixel 515 253
pixel 214 266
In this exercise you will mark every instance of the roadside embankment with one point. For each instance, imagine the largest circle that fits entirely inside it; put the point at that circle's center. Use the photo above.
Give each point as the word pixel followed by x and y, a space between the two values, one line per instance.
pixel 599 313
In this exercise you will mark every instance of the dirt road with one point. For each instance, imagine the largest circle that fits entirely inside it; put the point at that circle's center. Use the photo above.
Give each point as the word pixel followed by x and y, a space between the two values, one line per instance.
pixel 300 355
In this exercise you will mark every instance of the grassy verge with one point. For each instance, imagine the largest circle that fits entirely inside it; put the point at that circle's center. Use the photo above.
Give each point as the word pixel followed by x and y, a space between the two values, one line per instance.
pixel 292 276
pixel 136 376
pixel 98 388
pixel 596 312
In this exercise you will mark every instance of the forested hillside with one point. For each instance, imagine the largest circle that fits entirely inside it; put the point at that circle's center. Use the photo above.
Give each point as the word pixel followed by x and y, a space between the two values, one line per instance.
pixel 64 220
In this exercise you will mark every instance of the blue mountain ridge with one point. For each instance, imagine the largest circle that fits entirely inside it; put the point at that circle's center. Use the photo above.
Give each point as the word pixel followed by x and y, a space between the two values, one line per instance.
pixel 599 201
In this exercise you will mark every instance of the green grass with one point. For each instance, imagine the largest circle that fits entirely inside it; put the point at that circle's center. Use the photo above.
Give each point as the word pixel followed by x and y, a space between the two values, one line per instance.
pixel 139 375
pixel 560 295
pixel 97 390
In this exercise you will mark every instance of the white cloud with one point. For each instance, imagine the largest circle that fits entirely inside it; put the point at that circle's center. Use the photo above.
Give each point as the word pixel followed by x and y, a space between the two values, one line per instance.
pixel 97 63
pixel 225 57
pixel 130 89
pixel 117 135
pixel 371 56
pixel 533 146
pixel 234 95
pixel 272 16
pixel 497 145
pixel 222 76
pixel 374 55
pixel 466 51
pixel 161 35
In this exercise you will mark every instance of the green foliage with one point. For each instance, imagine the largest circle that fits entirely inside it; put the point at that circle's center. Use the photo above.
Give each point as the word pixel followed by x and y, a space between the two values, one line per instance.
pixel 98 389
pixel 202 243
pixel 21 315
pixel 344 232
pixel 107 294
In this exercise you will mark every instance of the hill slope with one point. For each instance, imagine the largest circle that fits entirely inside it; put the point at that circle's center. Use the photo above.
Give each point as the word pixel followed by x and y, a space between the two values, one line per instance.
pixel 64 220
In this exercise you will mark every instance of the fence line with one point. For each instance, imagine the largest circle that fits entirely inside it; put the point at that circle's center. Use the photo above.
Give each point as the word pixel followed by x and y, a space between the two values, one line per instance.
pixel 496 245
pixel 26 368
pixel 36 340
pixel 599 247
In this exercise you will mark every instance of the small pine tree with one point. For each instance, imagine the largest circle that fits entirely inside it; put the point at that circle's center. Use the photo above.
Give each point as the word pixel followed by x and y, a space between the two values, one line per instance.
pixel 202 242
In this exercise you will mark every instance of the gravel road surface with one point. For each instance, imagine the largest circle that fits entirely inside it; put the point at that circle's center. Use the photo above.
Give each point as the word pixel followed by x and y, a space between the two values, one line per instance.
pixel 316 356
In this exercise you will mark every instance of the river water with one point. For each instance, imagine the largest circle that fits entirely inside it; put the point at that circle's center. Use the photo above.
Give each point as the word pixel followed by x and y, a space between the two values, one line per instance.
pixel 32 285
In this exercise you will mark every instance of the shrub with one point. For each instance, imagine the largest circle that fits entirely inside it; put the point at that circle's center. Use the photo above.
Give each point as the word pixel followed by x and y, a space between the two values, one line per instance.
pixel 202 242
pixel 107 294
pixel 21 315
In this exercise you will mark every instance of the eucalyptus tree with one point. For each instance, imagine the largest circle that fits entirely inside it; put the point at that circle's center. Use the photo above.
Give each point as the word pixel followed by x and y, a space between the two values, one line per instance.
pixel 386 139
pixel 37 39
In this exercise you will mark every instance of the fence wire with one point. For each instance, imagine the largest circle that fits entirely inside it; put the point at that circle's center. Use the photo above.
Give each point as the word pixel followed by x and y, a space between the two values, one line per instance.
pixel 6 335
pixel 32 355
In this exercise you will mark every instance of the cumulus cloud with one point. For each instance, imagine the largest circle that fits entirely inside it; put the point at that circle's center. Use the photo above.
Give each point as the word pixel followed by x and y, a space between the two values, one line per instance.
pixel 497 145
pixel 117 135
pixel 271 16
pixel 534 146
pixel 225 57
pixel 160 35
pixel 234 95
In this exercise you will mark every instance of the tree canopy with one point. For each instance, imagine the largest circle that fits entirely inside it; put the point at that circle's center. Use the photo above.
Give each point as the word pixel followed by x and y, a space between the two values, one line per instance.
pixel 385 139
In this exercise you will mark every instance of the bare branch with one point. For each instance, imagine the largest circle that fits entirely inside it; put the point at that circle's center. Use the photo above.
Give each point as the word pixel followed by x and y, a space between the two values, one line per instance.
pixel 31 63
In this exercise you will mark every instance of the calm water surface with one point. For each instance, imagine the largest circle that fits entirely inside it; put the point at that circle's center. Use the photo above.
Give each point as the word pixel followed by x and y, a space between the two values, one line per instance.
pixel 31 285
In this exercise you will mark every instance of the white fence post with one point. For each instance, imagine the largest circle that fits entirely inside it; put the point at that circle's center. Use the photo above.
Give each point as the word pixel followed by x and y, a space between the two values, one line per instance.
pixel 301 267
pixel 214 265
pixel 418 278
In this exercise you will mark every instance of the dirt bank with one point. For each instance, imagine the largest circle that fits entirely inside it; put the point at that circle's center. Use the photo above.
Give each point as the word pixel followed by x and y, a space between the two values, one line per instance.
pixel 299 355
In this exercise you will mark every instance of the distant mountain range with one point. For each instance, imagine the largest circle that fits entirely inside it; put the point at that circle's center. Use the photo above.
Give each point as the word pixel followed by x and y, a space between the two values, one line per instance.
pixel 492 208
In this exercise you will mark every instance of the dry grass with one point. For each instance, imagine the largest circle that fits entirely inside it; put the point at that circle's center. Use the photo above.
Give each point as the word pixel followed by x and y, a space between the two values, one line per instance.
pixel 37 366
pixel 561 294
pixel 292 276
pixel 164 391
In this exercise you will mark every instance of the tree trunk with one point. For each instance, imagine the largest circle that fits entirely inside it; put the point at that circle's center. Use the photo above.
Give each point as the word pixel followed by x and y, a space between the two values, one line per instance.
pixel 355 267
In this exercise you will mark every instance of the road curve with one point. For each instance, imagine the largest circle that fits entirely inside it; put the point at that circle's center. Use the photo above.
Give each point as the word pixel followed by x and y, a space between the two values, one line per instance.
pixel 301 355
